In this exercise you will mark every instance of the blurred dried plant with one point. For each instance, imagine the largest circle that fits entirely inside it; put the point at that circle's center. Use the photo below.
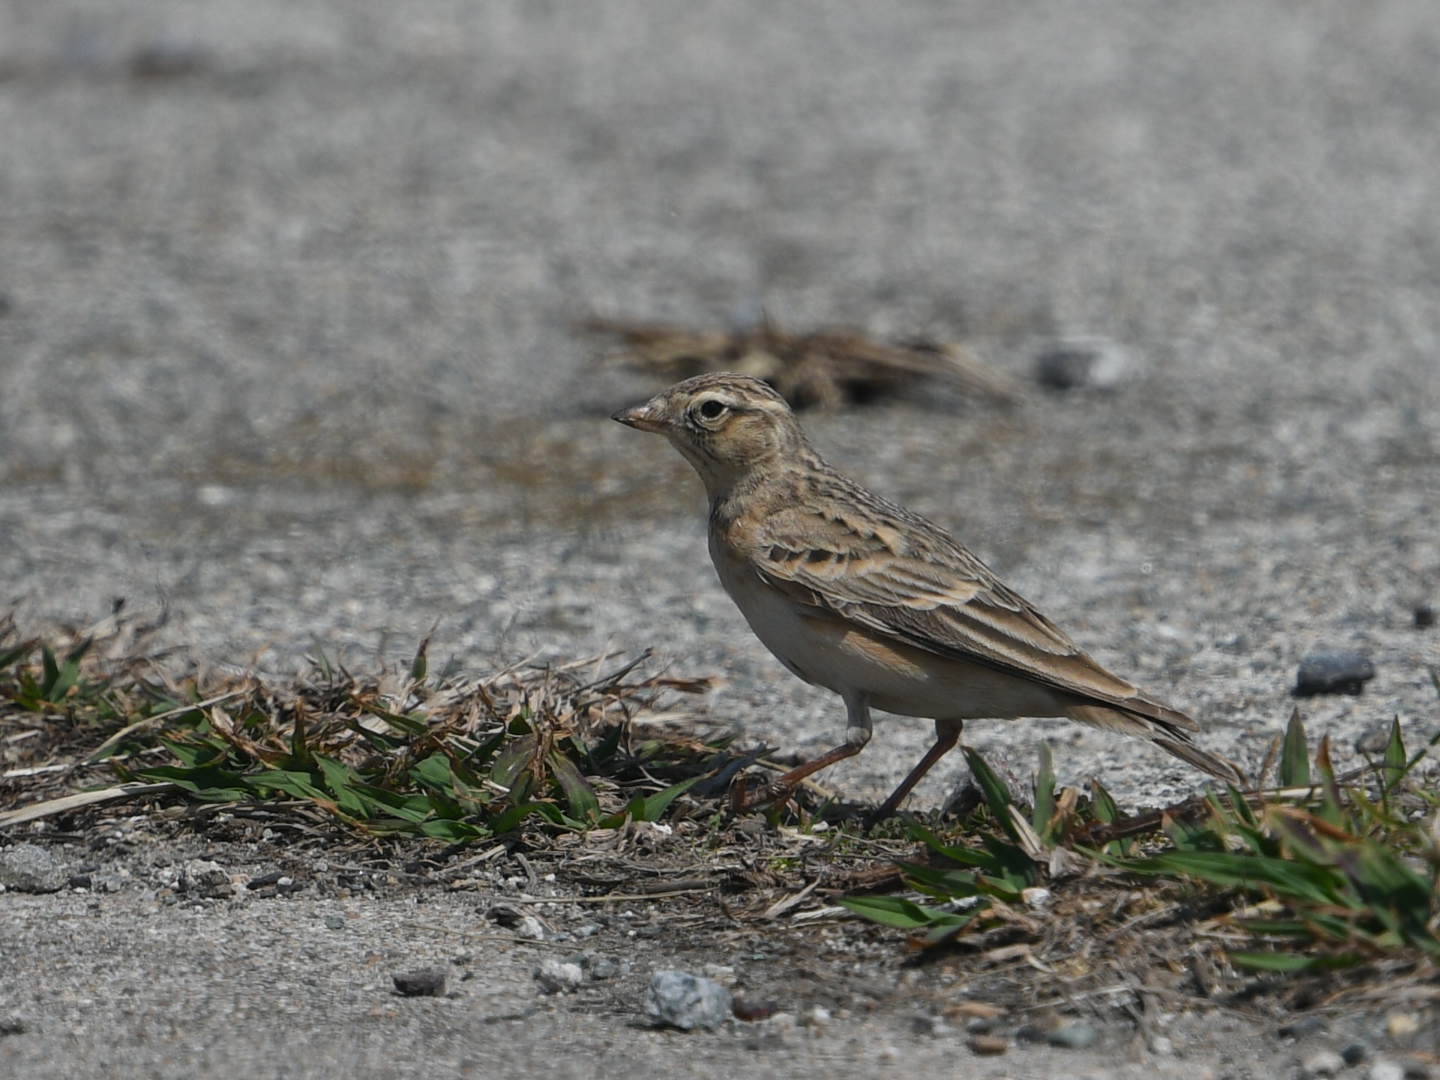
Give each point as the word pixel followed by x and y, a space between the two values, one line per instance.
pixel 825 368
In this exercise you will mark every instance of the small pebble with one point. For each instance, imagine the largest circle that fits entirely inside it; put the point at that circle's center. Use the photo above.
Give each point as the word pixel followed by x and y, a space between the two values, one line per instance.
pixel 1340 672
pixel 427 982
pixel 603 968
pixel 1354 1053
pixel 927 1025
pixel 1386 1070
pixel 988 1045
pixel 681 1000
pixel 12 1025
pixel 208 879
pixel 109 882
pixel 1402 1025
pixel 751 1011
pixel 1323 1063
pixel 1093 363
pixel 817 1016
pixel 30 868
pixel 559 977
pixel 1073 1036
pixel 334 922
pixel 517 922
pixel 1424 616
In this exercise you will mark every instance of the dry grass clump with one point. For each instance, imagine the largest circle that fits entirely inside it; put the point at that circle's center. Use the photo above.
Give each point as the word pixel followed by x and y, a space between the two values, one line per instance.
pixel 450 757
pixel 825 368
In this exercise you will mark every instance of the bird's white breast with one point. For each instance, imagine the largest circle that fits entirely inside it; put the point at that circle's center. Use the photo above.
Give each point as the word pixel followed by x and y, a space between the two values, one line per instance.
pixel 826 650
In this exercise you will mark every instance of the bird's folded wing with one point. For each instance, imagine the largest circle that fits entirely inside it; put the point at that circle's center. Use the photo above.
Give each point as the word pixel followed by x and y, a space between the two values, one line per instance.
pixel 913 582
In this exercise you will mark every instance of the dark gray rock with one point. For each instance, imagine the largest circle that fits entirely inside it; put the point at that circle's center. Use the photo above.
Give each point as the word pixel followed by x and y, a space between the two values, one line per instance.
pixel 1095 364
pixel 1424 616
pixel 681 1000
pixel 30 868
pixel 1354 1053
pixel 1340 672
pixel 426 982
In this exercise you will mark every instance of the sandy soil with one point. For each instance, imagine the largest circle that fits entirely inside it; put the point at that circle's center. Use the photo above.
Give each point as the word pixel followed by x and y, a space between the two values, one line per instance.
pixel 287 297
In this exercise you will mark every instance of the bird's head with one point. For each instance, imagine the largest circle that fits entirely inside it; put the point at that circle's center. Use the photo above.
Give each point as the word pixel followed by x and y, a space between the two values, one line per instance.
pixel 726 425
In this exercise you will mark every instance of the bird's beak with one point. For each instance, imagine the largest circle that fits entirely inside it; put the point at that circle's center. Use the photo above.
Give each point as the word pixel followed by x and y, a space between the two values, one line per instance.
pixel 646 417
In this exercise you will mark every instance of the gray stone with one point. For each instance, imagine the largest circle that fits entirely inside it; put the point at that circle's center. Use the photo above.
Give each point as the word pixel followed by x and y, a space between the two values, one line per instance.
pixel 1340 672
pixel 1073 1036
pixel 518 922
pixel 558 976
pixel 1092 363
pixel 426 982
pixel 1354 1053
pixel 1323 1063
pixel 925 1024
pixel 334 922
pixel 30 868
pixel 107 882
pixel 604 968
pixel 207 879
pixel 1380 1069
pixel 679 999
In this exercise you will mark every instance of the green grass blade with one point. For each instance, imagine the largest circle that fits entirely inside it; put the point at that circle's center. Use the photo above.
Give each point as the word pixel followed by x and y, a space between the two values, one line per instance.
pixel 997 795
pixel 1395 758
pixel 1044 809
pixel 1279 961
pixel 579 795
pixel 1295 755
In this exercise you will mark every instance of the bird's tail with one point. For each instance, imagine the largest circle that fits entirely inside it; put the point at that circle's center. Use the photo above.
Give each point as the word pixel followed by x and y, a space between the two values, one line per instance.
pixel 1170 737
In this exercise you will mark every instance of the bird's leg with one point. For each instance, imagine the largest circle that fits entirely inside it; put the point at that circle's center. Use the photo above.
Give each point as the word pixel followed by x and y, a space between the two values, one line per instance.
pixel 857 734
pixel 947 734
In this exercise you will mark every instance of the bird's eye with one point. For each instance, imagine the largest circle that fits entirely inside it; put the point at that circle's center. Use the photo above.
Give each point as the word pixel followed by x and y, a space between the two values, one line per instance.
pixel 711 408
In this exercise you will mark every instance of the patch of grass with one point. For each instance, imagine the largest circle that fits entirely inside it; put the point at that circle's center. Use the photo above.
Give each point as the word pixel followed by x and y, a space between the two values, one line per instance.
pixel 1304 876
pixel 443 756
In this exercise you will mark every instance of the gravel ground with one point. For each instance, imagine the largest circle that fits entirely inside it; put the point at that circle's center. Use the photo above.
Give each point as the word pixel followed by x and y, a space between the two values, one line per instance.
pixel 286 307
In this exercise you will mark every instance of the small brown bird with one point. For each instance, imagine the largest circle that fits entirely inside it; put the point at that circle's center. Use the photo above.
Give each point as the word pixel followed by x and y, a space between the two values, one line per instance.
pixel 863 597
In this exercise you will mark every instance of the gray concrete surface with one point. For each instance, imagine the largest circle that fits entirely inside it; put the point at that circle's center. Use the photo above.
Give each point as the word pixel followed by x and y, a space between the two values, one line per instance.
pixel 285 337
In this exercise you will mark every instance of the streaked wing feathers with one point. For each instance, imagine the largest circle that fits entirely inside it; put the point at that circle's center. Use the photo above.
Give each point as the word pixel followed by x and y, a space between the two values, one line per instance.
pixel 910 581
